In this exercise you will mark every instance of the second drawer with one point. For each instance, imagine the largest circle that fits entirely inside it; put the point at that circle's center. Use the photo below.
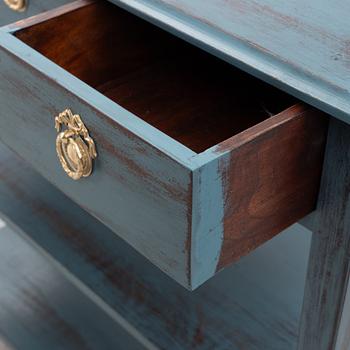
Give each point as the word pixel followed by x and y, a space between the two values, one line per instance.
pixel 197 163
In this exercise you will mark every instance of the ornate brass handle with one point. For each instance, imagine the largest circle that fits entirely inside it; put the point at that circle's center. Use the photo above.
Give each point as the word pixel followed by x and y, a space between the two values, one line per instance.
pixel 16 5
pixel 75 148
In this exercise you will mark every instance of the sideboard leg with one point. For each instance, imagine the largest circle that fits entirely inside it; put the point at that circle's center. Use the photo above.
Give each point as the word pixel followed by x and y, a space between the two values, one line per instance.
pixel 329 263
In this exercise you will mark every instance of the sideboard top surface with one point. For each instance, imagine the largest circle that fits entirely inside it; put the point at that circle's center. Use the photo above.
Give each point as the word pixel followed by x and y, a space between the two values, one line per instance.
pixel 302 47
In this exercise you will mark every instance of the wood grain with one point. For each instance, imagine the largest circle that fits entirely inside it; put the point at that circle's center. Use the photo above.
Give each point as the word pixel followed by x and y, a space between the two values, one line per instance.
pixel 177 207
pixel 271 179
pixel 300 47
pixel 255 304
pixel 328 272
pixel 42 309
pixel 184 92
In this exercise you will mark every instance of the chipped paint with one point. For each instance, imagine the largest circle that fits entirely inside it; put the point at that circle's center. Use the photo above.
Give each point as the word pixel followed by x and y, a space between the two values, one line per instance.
pixel 207 221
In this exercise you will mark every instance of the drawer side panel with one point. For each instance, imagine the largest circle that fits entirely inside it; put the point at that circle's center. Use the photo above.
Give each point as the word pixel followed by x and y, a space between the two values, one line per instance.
pixel 271 178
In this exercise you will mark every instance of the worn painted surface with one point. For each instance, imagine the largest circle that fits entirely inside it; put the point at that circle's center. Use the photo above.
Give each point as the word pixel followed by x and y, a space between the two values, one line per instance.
pixel 343 337
pixel 138 189
pixel 254 304
pixel 34 7
pixel 328 272
pixel 301 47
pixel 207 236
pixel 182 210
pixel 41 309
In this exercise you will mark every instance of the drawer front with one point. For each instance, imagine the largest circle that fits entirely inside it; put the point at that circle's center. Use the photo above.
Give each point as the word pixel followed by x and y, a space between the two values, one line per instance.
pixel 190 213
pixel 32 7
pixel 134 187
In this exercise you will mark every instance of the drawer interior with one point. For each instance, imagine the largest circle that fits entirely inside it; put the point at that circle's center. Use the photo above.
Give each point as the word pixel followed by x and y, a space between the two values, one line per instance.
pixel 183 91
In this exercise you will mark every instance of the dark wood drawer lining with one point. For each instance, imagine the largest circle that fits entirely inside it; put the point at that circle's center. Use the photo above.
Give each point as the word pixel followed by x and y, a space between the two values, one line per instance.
pixel 183 91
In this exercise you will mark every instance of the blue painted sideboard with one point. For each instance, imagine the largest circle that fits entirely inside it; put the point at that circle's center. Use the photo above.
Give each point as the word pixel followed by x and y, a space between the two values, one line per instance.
pixel 196 132
pixel 186 173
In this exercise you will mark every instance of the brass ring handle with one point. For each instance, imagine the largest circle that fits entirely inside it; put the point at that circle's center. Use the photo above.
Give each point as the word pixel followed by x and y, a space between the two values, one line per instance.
pixel 75 148
pixel 16 5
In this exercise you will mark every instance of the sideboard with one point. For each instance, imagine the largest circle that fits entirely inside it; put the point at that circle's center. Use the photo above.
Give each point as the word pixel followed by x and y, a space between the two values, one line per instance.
pixel 155 143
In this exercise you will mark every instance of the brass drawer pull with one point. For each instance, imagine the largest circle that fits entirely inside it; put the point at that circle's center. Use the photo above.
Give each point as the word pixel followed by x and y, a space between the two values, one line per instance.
pixel 75 148
pixel 16 5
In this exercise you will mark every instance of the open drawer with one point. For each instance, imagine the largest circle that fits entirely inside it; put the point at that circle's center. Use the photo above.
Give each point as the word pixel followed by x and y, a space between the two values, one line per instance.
pixel 197 162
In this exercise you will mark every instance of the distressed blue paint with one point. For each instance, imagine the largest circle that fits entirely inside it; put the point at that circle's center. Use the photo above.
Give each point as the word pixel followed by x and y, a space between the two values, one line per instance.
pixel 98 101
pixel 329 267
pixel 141 183
pixel 207 222
pixel 158 195
pixel 255 302
pixel 343 338
pixel 42 309
pixel 301 47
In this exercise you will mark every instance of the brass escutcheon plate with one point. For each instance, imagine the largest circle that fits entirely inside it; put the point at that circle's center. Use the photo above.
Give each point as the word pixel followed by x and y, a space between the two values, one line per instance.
pixel 16 5
pixel 75 148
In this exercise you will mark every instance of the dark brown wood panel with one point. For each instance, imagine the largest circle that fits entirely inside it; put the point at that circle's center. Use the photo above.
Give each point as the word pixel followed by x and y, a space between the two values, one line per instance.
pixel 272 178
pixel 183 91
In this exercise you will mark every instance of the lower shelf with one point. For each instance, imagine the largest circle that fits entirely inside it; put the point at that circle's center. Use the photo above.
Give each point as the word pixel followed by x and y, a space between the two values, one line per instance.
pixel 255 304
pixel 41 309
